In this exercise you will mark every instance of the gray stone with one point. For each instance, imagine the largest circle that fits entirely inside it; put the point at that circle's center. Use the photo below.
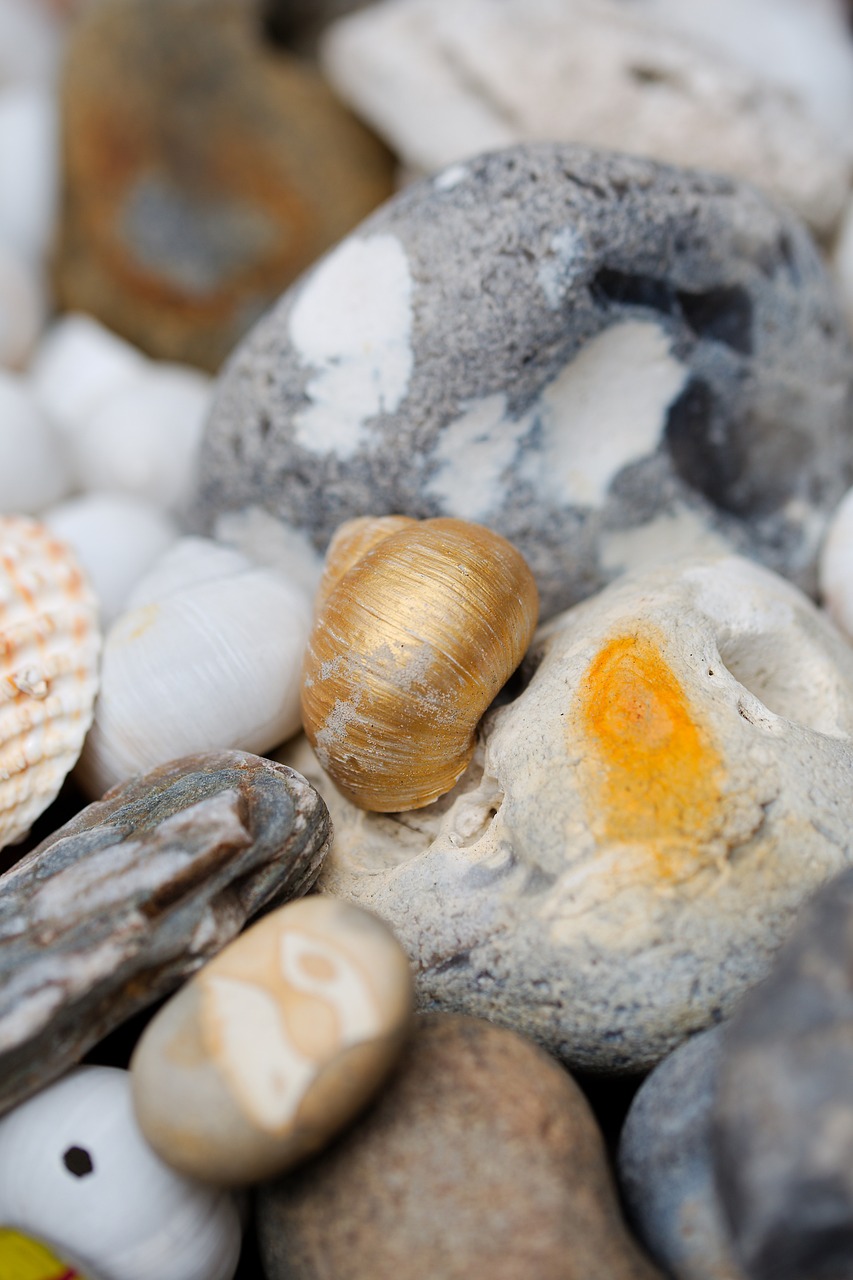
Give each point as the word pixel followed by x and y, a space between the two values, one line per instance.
pixel 784 1115
pixel 600 357
pixel 131 896
pixel 666 1168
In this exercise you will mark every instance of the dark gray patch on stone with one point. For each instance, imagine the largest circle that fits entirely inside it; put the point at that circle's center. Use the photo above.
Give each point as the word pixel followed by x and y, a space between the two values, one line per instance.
pixel 783 1126
pixel 135 893
pixel 735 284
pixel 666 1170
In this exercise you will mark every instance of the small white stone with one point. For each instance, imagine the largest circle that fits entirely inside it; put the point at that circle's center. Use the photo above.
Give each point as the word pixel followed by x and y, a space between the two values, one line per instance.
pixel 33 472
pixel 835 567
pixel 78 365
pixel 30 44
pixel 23 307
pixel 116 537
pixel 143 439
pixel 29 168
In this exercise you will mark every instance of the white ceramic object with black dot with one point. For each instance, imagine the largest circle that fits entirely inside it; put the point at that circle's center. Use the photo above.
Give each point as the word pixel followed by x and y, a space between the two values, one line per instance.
pixel 77 1176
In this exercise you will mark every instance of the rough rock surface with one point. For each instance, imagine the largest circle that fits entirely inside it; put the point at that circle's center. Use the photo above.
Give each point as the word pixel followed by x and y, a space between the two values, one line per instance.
pixel 666 1168
pixel 480 1161
pixel 599 357
pixel 130 897
pixel 784 1114
pixel 638 827
pixel 683 83
pixel 203 172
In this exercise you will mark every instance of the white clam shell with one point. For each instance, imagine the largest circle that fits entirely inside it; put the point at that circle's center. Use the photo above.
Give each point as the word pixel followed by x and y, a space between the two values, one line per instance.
pixel 143 438
pixel 49 645
pixel 116 537
pixel 33 472
pixel 131 1217
pixel 78 365
pixel 207 654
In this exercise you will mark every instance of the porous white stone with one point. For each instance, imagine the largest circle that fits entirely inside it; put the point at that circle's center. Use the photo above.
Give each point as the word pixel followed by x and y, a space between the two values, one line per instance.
pixel 680 82
pixel 33 470
pixel 639 825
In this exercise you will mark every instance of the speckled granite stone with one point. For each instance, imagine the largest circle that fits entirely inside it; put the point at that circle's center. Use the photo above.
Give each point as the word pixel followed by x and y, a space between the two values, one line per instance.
pixel 132 895
pixel 602 358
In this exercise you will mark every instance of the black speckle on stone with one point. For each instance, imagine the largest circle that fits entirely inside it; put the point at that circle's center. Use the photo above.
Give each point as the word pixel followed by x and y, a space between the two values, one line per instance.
pixel 78 1161
pixel 724 314
pixel 701 458
pixel 623 288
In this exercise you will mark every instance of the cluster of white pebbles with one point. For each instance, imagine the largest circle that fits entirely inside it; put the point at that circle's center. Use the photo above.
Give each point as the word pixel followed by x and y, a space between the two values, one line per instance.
pixel 97 451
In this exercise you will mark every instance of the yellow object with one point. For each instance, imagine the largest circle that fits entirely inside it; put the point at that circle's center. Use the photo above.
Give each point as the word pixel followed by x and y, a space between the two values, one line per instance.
pixel 24 1259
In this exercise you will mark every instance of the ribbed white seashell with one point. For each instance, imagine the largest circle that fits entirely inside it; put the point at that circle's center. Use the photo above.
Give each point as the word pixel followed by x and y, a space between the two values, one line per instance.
pixel 207 654
pixel 33 472
pixel 49 645
pixel 116 538
pixel 76 1173
pixel 29 168
pixel 78 365
pixel 143 438
pixel 23 308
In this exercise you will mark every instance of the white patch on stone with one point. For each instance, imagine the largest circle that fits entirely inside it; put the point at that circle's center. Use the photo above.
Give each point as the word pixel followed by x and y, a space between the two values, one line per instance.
pixel 451 177
pixel 659 541
pixel 353 323
pixel 558 270
pixel 606 409
pixel 473 452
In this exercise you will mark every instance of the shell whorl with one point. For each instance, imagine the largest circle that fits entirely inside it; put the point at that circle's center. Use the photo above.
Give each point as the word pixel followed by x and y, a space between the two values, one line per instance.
pixel 408 650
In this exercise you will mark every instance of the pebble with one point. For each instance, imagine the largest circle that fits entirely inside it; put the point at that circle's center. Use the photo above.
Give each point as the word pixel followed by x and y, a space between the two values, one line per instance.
pixel 118 906
pixel 34 472
pixel 835 568
pixel 480 1160
pixel 639 825
pixel 783 1123
pixel 117 538
pixel 206 654
pixel 78 366
pixel 728 87
pixel 275 1045
pixel 623 361
pixel 23 308
pixel 29 169
pixel 76 1173
pixel 666 1170
pixel 240 168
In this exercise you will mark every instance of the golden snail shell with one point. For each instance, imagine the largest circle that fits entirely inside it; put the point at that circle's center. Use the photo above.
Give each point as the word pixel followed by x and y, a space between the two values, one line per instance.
pixel 407 652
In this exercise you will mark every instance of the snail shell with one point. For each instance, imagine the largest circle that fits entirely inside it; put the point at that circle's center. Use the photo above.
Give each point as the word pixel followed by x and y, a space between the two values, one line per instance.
pixel 407 652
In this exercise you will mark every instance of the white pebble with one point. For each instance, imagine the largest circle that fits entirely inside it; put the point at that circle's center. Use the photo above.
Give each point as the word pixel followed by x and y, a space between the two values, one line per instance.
pixel 23 307
pixel 144 438
pixel 835 569
pixel 30 43
pixel 116 538
pixel 33 473
pixel 77 366
pixel 29 168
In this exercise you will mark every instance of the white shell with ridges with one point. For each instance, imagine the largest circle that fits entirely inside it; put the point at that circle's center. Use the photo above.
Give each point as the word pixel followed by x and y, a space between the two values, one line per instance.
pixel 49 646
pixel 207 654
pixel 128 1216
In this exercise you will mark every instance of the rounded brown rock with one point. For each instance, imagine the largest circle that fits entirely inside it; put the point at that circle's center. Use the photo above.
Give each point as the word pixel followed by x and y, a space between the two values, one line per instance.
pixel 203 171
pixel 274 1045
pixel 480 1159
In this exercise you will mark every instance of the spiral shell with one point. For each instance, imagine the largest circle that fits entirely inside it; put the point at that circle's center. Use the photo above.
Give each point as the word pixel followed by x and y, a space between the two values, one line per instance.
pixel 49 647
pixel 407 652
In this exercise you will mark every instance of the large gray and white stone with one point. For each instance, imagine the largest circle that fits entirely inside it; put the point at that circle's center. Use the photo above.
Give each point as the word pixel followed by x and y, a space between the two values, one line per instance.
pixel 131 896
pixel 602 358
pixel 639 826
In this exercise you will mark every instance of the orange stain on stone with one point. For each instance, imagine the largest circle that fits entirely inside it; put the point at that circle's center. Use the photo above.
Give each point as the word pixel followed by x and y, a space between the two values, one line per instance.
pixel 659 775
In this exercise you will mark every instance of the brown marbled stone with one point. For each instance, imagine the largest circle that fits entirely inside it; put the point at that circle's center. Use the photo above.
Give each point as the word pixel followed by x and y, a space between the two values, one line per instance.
pixel 135 893
pixel 203 170
pixel 480 1161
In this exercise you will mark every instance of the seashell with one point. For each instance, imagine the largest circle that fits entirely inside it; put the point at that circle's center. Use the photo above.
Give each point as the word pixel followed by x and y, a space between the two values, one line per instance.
pixel 117 538
pixel 79 364
pixel 351 543
pixel 206 654
pixel 77 1175
pixel 275 1045
pixel 33 473
pixel 49 646
pixel 407 652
